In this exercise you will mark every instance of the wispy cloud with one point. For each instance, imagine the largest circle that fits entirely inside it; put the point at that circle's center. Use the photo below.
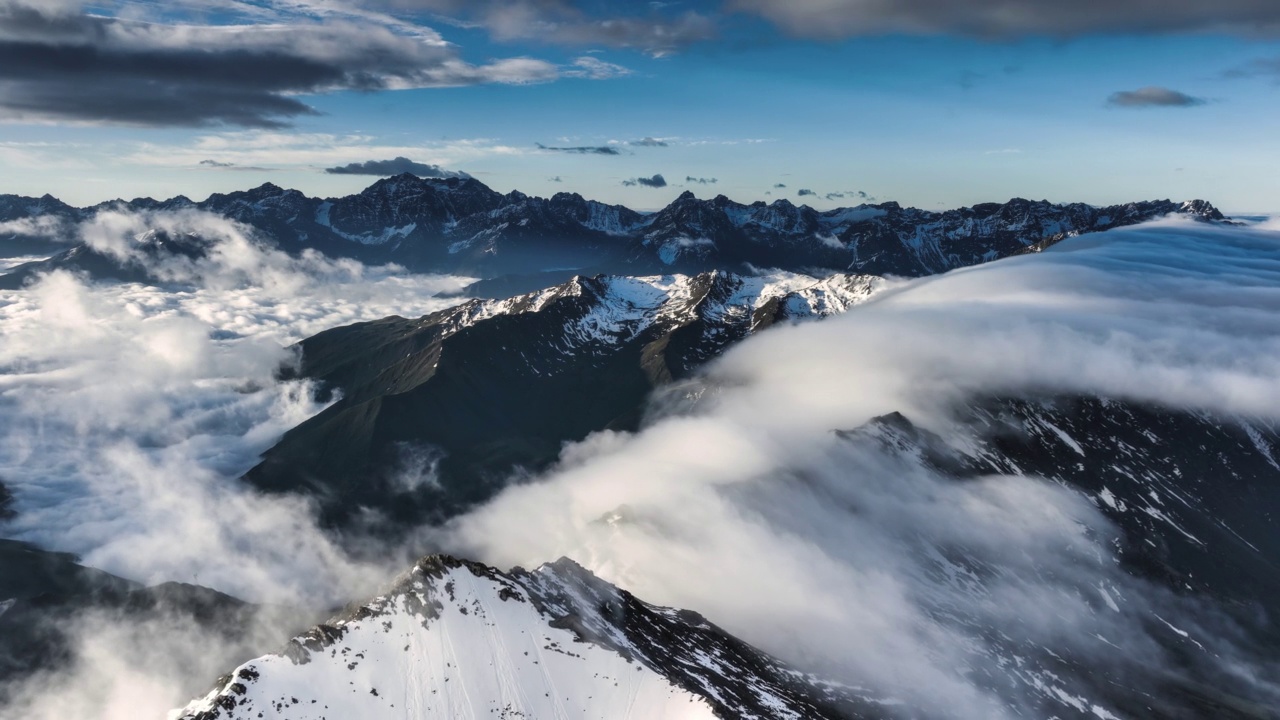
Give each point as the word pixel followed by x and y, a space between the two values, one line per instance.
pixel 701 180
pixel 1153 96
pixel 1013 18
pixel 582 149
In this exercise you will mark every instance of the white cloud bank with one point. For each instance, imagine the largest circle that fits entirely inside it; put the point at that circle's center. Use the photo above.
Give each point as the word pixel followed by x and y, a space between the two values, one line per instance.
pixel 749 509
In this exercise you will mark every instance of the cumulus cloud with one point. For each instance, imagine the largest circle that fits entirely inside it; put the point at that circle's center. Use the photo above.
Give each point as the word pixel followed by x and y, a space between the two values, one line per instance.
pixel 802 192
pixel 1012 18
pixel 583 149
pixel 738 501
pixel 395 166
pixel 649 142
pixel 779 185
pixel 1152 97
pixel 657 181
pixel 60 63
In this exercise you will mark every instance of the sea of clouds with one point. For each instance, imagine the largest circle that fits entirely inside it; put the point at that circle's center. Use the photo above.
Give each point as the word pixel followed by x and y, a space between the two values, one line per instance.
pixel 128 411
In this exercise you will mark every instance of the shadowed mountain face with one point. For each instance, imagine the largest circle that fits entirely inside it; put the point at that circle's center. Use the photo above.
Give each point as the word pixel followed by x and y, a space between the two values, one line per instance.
pixel 437 413
pixel 460 226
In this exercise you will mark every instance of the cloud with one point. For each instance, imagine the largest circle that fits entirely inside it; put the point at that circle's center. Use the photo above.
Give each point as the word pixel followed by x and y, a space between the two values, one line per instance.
pixel 583 150
pixel 1152 97
pixel 49 227
pixel 218 165
pixel 396 166
pixel 595 69
pixel 779 185
pixel 657 181
pixel 802 192
pixel 555 179
pixel 649 142
pixel 129 412
pixel 737 500
pixel 1012 18
pixel 560 22
pixel 58 63
pixel 701 181
pixel 1268 67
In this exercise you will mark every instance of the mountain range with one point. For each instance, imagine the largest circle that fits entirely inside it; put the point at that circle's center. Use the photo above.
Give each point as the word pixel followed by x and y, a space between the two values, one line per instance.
pixel 460 226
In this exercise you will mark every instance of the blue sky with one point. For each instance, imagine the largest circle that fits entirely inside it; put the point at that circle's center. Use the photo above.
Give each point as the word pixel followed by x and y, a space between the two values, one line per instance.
pixel 932 117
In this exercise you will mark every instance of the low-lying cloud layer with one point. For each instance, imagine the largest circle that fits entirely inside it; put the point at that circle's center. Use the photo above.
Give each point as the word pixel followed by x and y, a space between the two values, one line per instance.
pixel 745 506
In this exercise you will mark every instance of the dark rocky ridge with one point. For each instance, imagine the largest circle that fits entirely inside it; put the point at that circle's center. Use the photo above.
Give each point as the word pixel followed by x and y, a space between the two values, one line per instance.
pixel 438 412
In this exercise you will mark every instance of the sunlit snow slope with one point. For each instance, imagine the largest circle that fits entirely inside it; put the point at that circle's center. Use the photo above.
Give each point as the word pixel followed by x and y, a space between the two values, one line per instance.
pixel 455 639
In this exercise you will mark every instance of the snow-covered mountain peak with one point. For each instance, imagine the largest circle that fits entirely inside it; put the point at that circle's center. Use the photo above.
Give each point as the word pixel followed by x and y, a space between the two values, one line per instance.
pixel 457 639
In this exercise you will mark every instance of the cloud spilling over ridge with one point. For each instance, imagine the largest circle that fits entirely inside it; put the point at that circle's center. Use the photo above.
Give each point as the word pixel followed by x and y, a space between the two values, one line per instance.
pixel 395 166
pixel 60 62
pixel 745 506
pixel 1013 18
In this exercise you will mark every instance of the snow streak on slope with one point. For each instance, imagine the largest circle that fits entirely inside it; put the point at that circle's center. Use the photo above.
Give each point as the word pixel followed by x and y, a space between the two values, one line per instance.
pixel 885 573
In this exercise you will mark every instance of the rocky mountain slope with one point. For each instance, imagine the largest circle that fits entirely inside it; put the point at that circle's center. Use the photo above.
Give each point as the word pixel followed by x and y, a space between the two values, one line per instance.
pixel 1190 494
pixel 436 413
pixel 461 640
pixel 459 225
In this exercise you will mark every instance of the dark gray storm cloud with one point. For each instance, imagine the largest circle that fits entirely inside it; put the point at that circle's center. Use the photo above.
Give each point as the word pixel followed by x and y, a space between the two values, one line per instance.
pixel 657 181
pixel 648 142
pixel 1152 97
pixel 59 63
pixel 701 181
pixel 583 149
pixel 802 192
pixel 1012 18
pixel 395 166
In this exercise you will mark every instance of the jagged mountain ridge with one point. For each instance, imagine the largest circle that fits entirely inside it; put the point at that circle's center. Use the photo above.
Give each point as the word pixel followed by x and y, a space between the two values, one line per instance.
pixel 458 639
pixel 459 225
pixel 455 402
